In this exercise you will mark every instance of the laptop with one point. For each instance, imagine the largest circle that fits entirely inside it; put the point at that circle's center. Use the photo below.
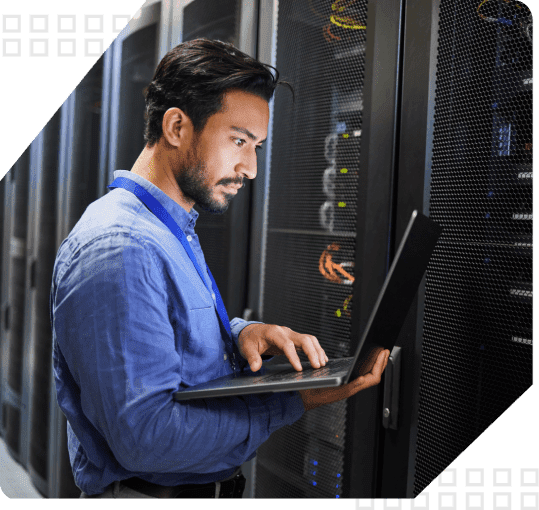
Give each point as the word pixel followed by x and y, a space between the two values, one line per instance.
pixel 381 331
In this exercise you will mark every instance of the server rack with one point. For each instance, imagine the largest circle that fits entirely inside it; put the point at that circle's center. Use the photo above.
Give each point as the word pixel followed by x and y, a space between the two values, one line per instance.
pixel 37 332
pixel 322 229
pixel 466 157
pixel 13 339
pixel 9 188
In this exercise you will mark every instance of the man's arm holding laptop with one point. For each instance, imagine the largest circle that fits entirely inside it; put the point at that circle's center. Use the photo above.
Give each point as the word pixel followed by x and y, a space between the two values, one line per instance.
pixel 370 377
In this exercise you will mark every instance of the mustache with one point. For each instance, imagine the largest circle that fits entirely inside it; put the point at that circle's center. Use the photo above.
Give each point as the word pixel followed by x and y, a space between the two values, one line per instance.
pixel 226 182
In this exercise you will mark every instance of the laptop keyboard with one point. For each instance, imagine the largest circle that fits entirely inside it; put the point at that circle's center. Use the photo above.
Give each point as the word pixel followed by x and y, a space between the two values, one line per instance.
pixel 291 374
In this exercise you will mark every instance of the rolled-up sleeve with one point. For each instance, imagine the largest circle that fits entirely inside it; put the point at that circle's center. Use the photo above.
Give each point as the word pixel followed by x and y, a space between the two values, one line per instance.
pixel 113 328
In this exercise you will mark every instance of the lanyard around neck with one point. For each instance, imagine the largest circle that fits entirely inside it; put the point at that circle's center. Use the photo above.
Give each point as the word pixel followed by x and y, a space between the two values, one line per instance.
pixel 156 208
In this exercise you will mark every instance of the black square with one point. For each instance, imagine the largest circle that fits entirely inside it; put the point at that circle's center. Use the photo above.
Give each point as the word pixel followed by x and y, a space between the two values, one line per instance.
pixel 66 23
pixel 529 500
pixel 447 500
pixel 447 477
pixel 11 47
pixel 66 47
pixel 502 501
pixel 93 47
pixel 529 477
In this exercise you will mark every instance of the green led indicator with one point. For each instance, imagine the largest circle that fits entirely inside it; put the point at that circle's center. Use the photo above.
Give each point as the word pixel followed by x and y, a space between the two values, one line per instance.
pixel 342 204
pixel 344 170
pixel 338 313
pixel 346 135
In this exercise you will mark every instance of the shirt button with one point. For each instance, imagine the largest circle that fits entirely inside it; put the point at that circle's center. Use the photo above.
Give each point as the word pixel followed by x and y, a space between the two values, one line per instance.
pixel 213 296
pixel 189 238
pixel 226 357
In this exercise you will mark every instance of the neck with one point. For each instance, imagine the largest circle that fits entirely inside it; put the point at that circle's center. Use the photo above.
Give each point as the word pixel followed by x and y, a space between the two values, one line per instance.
pixel 155 167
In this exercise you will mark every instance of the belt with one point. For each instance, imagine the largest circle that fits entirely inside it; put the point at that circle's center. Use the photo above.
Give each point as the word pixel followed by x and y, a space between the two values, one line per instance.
pixel 232 488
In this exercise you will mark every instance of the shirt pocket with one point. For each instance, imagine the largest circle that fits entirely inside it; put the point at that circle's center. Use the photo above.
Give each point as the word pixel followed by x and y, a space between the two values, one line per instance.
pixel 203 354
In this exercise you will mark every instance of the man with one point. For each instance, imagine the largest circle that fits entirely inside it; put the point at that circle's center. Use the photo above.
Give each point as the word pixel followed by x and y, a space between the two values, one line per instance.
pixel 134 319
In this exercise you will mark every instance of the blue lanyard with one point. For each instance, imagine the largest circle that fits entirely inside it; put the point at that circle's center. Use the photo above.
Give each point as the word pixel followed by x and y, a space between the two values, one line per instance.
pixel 156 208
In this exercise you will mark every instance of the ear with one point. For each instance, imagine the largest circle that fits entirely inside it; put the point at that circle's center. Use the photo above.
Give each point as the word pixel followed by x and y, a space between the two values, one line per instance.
pixel 177 127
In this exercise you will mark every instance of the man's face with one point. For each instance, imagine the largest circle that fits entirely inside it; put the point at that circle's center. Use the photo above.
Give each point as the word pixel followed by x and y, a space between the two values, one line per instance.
pixel 224 153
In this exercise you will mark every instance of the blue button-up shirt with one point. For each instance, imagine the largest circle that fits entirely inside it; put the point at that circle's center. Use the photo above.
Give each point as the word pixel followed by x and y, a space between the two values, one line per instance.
pixel 133 322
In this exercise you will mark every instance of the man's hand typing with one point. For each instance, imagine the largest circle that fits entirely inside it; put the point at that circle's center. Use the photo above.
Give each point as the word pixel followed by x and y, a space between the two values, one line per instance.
pixel 258 339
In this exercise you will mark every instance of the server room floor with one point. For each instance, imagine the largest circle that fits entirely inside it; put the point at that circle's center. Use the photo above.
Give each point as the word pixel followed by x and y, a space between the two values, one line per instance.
pixel 14 480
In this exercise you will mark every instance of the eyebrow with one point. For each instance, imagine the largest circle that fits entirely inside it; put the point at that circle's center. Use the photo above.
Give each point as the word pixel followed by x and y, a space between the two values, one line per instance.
pixel 246 132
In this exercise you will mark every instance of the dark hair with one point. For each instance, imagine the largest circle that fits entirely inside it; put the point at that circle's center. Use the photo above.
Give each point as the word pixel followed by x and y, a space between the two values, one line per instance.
pixel 195 75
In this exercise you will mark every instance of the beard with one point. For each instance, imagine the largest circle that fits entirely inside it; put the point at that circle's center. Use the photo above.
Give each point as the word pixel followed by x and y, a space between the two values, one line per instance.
pixel 191 181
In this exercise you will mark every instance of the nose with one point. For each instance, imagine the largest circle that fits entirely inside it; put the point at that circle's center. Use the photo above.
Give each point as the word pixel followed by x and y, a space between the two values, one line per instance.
pixel 247 165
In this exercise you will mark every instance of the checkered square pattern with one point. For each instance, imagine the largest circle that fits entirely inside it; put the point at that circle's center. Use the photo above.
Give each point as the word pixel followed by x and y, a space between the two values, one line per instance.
pixel 59 35
pixel 470 489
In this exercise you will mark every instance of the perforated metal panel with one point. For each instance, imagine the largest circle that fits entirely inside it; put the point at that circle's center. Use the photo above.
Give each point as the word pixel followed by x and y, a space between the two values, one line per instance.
pixel 477 350
pixel 310 239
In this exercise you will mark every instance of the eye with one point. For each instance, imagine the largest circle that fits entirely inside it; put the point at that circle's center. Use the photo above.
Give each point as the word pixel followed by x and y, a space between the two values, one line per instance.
pixel 258 147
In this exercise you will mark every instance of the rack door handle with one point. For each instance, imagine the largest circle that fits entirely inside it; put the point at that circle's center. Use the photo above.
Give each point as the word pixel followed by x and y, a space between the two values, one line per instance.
pixel 390 413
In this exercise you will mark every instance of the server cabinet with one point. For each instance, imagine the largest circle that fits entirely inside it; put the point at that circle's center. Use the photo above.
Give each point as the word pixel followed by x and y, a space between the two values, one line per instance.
pixel 7 189
pixel 128 67
pixel 322 221
pixel 134 55
pixel 12 349
pixel 3 181
pixel 7 204
pixel 41 251
pixel 466 157
pixel 2 207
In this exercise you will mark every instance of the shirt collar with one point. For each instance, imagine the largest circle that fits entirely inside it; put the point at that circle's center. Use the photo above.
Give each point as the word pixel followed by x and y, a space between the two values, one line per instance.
pixel 185 220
